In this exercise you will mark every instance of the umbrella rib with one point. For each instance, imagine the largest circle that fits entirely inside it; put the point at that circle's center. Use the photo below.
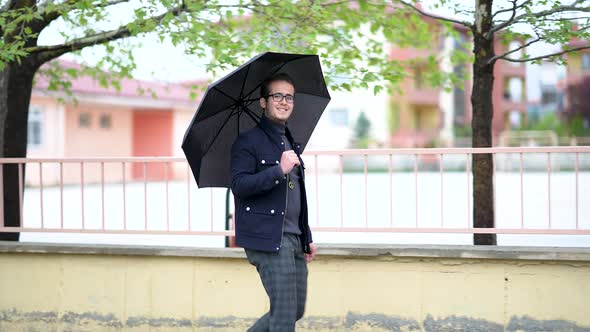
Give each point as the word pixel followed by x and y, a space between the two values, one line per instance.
pixel 282 65
pixel 258 85
pixel 225 94
pixel 252 115
pixel 244 83
pixel 245 110
pixel 219 131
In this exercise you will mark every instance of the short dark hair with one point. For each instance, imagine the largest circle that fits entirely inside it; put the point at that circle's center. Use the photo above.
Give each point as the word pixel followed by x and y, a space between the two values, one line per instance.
pixel 265 86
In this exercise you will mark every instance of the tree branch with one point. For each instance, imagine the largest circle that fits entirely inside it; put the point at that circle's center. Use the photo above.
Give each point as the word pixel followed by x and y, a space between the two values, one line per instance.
pixel 544 13
pixel 503 25
pixel 52 15
pixel 46 53
pixel 436 17
pixel 503 56
pixel 547 55
pixel 513 9
pixel 539 38
pixel 17 23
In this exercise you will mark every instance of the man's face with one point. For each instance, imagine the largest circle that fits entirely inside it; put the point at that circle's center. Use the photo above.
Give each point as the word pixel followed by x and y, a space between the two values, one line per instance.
pixel 278 111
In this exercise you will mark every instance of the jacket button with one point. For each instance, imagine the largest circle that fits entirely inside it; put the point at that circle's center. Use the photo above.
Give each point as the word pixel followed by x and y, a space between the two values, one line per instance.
pixel 276 161
pixel 277 248
pixel 272 211
pixel 283 213
pixel 282 143
pixel 247 208
pixel 263 161
pixel 277 182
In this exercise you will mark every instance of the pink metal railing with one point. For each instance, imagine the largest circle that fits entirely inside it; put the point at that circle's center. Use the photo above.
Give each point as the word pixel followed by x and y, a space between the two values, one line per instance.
pixel 122 183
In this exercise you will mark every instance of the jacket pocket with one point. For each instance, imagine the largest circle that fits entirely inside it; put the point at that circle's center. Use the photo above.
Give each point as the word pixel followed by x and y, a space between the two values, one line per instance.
pixel 268 161
pixel 261 211
pixel 258 221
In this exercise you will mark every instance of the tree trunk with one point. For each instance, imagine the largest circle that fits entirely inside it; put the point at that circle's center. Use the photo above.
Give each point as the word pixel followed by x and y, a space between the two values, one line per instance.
pixel 481 123
pixel 16 85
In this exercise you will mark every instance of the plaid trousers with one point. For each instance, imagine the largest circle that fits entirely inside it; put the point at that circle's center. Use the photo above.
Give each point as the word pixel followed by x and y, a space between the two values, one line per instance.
pixel 284 277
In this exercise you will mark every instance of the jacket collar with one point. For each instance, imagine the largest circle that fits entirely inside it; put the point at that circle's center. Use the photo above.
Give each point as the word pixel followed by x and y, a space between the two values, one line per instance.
pixel 273 134
pixel 270 129
pixel 278 127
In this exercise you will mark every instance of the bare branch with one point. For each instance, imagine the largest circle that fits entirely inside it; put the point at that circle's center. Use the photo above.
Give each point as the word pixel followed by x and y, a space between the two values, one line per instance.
pixel 546 56
pixel 110 3
pixel 539 38
pixel 46 53
pixel 436 17
pixel 503 56
pixel 503 25
pixel 542 14
pixel 513 9
pixel 561 19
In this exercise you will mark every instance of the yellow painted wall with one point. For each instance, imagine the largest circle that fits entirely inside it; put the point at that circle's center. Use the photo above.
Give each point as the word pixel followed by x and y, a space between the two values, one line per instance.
pixel 99 292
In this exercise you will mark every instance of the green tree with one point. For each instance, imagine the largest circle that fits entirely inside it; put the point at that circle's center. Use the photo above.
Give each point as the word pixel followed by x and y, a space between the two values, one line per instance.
pixel 549 122
pixel 552 22
pixel 226 32
pixel 362 127
pixel 351 37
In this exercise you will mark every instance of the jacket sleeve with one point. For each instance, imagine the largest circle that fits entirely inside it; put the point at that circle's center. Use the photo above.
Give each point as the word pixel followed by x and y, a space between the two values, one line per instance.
pixel 245 181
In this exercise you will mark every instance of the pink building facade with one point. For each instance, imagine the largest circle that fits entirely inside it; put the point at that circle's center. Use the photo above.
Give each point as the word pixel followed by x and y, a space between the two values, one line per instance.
pixel 98 122
pixel 578 68
pixel 509 96
pixel 424 116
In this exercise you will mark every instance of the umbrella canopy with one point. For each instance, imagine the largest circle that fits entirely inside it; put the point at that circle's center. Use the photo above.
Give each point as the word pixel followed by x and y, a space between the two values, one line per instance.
pixel 230 106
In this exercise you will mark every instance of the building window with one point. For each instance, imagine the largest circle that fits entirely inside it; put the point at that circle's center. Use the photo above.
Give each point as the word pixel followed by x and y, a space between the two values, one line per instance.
pixel 516 55
pixel 585 61
pixel 105 121
pixel 35 127
pixel 84 120
pixel 339 117
pixel 515 119
pixel 513 90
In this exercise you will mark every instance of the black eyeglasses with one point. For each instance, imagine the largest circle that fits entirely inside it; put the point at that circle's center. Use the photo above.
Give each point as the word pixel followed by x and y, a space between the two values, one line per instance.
pixel 278 97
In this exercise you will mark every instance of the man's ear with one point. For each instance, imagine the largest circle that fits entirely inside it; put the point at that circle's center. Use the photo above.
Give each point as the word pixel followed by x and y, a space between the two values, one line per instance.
pixel 263 103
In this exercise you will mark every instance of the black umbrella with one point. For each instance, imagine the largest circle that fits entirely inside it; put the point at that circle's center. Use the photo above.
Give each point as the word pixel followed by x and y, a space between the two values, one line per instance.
pixel 230 106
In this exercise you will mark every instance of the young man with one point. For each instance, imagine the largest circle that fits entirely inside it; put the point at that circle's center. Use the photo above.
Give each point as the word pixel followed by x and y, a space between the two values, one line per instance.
pixel 271 206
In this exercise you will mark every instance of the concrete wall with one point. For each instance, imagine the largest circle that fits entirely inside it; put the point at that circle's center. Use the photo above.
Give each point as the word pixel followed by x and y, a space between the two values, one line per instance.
pixel 392 288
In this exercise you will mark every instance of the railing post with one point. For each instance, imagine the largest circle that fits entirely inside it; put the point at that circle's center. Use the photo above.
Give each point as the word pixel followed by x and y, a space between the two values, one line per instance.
pixel 61 198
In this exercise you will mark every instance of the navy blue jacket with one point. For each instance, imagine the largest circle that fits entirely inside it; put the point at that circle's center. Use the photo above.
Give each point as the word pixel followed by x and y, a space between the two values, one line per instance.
pixel 260 189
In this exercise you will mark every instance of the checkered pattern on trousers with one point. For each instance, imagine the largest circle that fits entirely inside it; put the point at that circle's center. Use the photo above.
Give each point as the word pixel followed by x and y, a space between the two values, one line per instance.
pixel 284 277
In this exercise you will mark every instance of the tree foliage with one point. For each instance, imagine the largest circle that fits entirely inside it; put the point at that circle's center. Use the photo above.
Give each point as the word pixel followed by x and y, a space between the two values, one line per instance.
pixel 226 32
pixel 530 22
pixel 352 38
